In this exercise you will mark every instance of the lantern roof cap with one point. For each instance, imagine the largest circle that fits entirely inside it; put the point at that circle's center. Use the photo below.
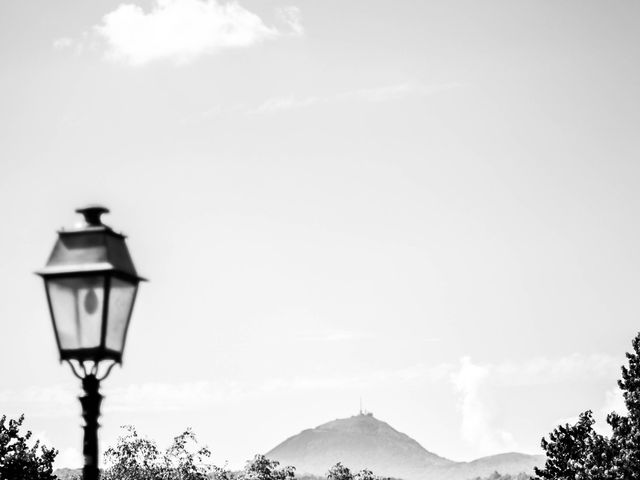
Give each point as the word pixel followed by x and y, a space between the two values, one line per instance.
pixel 90 247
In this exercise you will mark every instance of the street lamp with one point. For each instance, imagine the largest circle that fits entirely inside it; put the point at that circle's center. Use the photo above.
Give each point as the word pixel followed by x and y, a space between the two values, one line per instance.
pixel 91 286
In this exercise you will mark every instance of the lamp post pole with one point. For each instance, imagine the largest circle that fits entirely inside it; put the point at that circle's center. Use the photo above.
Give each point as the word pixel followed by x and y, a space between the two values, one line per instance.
pixel 90 401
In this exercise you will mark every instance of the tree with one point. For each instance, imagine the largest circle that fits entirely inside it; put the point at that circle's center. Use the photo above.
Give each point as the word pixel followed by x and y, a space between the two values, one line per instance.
pixel 18 461
pixel 138 458
pixel 262 468
pixel 339 472
pixel 365 474
pixel 185 461
pixel 222 473
pixel 577 452
pixel 625 440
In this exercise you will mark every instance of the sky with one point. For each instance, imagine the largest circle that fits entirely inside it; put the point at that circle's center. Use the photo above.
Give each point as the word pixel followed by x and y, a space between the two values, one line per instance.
pixel 429 205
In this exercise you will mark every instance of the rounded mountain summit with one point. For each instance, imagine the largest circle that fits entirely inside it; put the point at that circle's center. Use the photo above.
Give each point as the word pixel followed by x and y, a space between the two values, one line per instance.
pixel 362 441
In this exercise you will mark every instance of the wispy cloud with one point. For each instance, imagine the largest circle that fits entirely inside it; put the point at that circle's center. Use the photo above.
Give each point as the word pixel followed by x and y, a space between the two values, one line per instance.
pixel 62 43
pixel 476 423
pixel 46 401
pixel 291 17
pixel 401 90
pixel 161 397
pixel 376 94
pixel 196 395
pixel 61 400
pixel 289 102
pixel 182 30
pixel 468 379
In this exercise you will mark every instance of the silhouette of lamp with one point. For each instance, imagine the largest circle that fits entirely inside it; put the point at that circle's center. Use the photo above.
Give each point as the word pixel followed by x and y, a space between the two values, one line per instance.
pixel 91 286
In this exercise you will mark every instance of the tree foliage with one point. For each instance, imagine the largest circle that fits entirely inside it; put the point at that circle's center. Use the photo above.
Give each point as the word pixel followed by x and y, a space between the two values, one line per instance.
pixel 138 458
pixel 341 472
pixel 18 460
pixel 262 468
pixel 578 452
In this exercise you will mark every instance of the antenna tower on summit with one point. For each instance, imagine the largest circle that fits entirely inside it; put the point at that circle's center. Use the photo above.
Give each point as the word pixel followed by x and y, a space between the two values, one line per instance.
pixel 363 411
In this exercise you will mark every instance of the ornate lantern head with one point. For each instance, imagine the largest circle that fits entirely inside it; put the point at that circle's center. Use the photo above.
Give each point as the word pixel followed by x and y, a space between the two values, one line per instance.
pixel 91 287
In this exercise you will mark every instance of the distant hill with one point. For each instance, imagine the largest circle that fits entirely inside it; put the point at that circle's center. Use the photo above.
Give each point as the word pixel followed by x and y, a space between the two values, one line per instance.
pixel 506 463
pixel 68 473
pixel 362 441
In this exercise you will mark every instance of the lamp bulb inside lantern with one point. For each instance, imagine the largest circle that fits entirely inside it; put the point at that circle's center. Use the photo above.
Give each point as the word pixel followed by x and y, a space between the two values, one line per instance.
pixel 91 302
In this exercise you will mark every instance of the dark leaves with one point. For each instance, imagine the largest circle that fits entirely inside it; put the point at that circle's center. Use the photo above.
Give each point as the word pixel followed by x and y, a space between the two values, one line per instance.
pixel 18 460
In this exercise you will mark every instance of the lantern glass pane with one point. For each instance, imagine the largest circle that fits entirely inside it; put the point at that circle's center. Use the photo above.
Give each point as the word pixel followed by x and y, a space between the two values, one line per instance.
pixel 77 304
pixel 121 298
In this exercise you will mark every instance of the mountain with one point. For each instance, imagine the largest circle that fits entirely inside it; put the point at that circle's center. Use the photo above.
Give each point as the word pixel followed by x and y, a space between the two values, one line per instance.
pixel 358 442
pixel 362 441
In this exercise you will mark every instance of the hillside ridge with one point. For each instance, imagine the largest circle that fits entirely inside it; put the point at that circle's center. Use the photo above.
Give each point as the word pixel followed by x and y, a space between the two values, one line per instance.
pixel 363 441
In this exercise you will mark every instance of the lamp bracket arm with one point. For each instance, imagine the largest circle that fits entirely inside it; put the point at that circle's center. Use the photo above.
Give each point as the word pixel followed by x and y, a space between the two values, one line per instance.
pixel 107 371
pixel 75 371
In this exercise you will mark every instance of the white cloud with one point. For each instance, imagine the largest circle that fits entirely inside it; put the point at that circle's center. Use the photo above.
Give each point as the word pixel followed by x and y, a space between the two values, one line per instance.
pixel 181 30
pixel 477 424
pixel 479 416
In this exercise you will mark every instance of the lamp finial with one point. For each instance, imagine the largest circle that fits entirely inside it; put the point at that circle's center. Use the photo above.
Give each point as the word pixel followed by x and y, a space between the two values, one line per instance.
pixel 92 214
